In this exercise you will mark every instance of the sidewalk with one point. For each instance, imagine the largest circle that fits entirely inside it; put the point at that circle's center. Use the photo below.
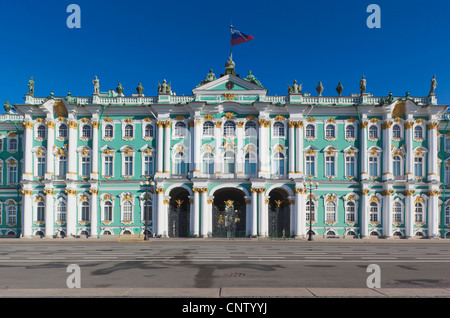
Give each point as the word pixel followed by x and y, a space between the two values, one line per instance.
pixel 227 293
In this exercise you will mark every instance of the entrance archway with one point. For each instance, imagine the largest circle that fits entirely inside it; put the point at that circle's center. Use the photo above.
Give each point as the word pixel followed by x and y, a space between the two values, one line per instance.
pixel 229 213
pixel 279 214
pixel 179 216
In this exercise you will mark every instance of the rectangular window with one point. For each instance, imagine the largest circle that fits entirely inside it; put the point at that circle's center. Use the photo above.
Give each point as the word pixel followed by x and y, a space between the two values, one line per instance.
pixel 128 167
pixel 350 166
pixel 373 166
pixel 85 166
pixel 418 166
pixel 108 166
pixel 148 165
pixel 330 166
pixel 310 163
pixel 12 174
pixel 40 167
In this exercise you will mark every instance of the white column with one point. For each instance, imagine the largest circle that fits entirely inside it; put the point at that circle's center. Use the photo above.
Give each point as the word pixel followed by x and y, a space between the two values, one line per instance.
pixel 197 147
pixel 300 212
pixel 218 166
pixel 433 213
pixel 409 212
pixel 248 216
pixel 94 212
pixel 263 215
pixel 73 157
pixel 292 152
pixel 160 147
pixel 50 143
pixel 264 155
pixel 364 223
pixel 204 213
pixel 292 215
pixel 167 155
pixel 196 212
pixel 28 155
pixel 49 216
pixel 387 152
pixel 433 174
pixel 299 148
pixel 71 213
pixel 409 172
pixel 27 213
pixel 158 221
pixel 240 151
pixel 387 213
pixel 254 214
pixel 364 168
pixel 95 151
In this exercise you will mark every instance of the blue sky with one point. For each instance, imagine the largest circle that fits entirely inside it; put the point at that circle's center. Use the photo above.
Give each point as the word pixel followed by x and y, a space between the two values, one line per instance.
pixel 147 41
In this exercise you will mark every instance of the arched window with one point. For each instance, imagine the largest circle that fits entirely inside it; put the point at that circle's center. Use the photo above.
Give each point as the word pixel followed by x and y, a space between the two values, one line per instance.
pixel 127 211
pixel 40 212
pixel 129 132
pixel 208 163
pixel 40 132
pixel 12 214
pixel 250 129
pixel 310 131
pixel 229 128
pixel 61 212
pixel 397 215
pixel 208 128
pixel 350 212
pixel 12 145
pixel 330 212
pixel 350 131
pixel 278 129
pixel 418 132
pixel 107 211
pixel 418 212
pixel 397 164
pixel 86 131
pixel 228 162
pixel 250 163
pixel 85 211
pixel 62 131
pixel 109 131
pixel 310 211
pixel 278 165
pixel 373 212
pixel 148 131
pixel 180 129
pixel 180 164
pixel 373 132
pixel 396 131
pixel 330 131
pixel 148 210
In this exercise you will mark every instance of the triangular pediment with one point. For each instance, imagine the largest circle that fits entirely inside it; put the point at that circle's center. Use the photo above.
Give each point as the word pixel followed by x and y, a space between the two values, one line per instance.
pixel 230 84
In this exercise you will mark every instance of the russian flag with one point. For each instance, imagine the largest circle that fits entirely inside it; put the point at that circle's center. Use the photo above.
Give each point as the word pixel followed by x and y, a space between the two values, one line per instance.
pixel 237 37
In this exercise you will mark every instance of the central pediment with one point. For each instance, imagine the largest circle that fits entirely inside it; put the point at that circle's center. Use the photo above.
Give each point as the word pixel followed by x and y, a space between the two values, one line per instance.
pixel 229 84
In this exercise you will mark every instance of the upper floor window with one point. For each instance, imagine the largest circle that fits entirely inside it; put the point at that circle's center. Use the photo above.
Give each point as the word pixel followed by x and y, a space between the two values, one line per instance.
pixel 396 131
pixel 278 129
pixel 129 131
pixel 148 132
pixel 12 145
pixel 418 132
pixel 86 132
pixel 62 131
pixel 109 131
pixel 350 131
pixel 310 131
pixel 330 131
pixel 229 128
pixel 208 128
pixel 250 129
pixel 40 132
pixel 373 132
pixel 180 129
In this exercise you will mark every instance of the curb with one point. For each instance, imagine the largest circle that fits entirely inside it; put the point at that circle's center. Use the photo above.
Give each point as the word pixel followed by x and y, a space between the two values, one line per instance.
pixel 227 293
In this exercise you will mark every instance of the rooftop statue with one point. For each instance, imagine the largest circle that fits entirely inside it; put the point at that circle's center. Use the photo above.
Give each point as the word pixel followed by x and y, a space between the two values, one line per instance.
pixel 164 88
pixel 433 85
pixel 209 78
pixel 229 67
pixel 96 83
pixel 319 88
pixel 140 89
pixel 252 79
pixel 295 89
pixel 119 89
pixel 7 107
pixel 339 89
pixel 362 85
pixel 31 87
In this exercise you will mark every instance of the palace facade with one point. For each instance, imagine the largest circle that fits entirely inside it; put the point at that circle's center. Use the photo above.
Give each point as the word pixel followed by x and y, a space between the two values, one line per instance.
pixel 227 161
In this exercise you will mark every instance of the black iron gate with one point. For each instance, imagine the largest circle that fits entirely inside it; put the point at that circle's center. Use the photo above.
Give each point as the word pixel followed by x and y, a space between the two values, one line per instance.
pixel 227 220
pixel 179 219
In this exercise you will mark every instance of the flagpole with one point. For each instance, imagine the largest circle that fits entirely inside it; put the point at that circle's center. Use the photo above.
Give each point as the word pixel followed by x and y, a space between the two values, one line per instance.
pixel 231 41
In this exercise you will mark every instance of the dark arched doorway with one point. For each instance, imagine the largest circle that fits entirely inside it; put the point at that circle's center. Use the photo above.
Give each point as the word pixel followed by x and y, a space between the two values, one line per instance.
pixel 279 214
pixel 229 213
pixel 179 216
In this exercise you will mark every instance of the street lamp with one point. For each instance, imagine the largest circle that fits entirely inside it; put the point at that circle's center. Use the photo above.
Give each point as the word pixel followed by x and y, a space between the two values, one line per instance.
pixel 310 184
pixel 148 185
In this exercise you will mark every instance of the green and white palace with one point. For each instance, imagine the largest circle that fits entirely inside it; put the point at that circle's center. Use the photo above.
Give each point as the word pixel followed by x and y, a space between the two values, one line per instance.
pixel 227 161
